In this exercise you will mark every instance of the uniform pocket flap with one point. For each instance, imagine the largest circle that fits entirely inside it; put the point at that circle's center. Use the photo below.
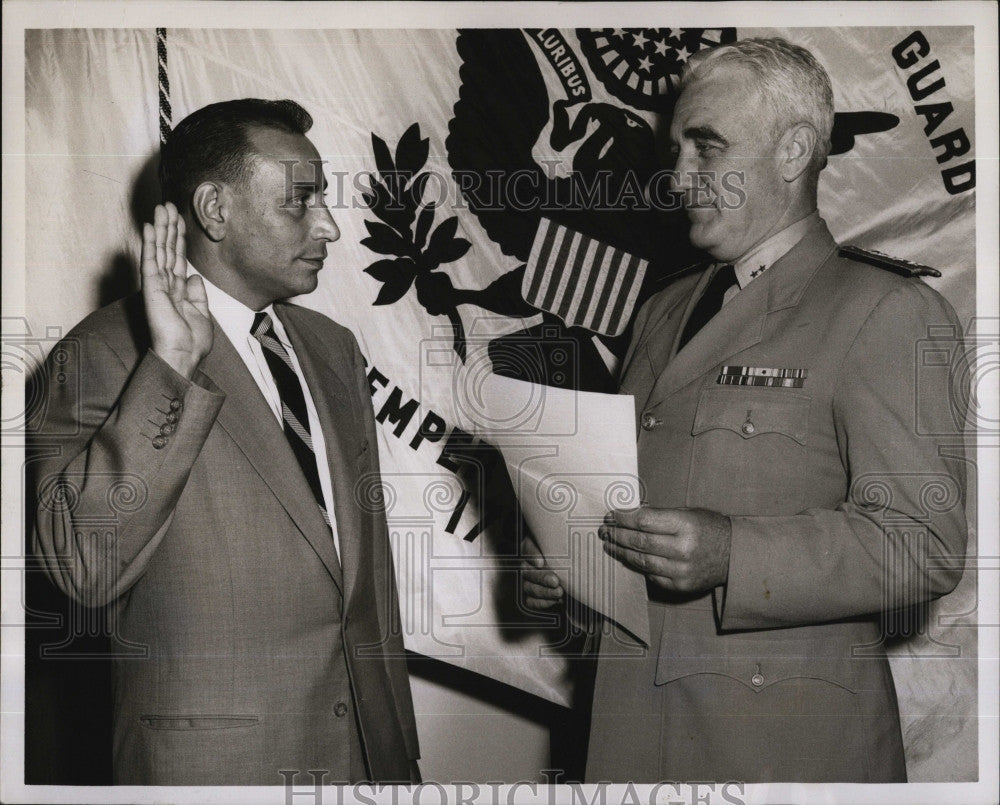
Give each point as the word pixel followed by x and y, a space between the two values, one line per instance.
pixel 197 722
pixel 754 663
pixel 750 412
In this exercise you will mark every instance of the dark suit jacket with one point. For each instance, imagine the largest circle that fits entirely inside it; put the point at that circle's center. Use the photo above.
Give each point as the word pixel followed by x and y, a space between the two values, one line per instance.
pixel 181 506
pixel 846 498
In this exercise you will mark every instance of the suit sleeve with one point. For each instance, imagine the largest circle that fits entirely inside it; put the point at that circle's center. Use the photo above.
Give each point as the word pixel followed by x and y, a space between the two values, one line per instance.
pixel 899 537
pixel 115 447
pixel 394 650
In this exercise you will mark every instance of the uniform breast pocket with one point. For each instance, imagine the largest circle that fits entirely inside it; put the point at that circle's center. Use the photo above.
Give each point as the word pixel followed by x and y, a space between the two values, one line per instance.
pixel 749 452
pixel 754 412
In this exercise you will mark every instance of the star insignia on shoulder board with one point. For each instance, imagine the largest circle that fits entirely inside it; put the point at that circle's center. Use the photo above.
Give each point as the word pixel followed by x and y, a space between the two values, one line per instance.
pixel 757 272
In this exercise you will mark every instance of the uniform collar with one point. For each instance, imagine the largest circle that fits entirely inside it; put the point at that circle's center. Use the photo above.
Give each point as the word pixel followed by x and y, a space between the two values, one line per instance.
pixel 764 255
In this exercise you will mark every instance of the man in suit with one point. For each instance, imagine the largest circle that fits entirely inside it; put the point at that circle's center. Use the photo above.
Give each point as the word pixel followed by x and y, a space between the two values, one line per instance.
pixel 792 496
pixel 214 493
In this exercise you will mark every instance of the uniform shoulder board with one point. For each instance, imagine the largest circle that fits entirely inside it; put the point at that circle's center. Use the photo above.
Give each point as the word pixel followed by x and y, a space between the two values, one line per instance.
pixel 895 264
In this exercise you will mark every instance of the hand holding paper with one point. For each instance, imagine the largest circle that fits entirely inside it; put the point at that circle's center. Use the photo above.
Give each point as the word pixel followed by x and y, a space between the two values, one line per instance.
pixel 542 588
pixel 680 550
pixel 572 458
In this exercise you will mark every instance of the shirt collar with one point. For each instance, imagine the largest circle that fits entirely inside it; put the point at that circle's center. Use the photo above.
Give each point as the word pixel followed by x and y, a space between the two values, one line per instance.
pixel 235 318
pixel 764 255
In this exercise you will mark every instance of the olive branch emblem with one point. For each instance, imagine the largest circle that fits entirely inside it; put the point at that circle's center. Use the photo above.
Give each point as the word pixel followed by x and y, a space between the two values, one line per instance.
pixel 402 231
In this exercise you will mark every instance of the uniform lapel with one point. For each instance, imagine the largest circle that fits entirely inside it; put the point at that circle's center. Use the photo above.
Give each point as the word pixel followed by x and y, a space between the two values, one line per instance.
pixel 739 325
pixel 249 421
pixel 325 367
pixel 661 341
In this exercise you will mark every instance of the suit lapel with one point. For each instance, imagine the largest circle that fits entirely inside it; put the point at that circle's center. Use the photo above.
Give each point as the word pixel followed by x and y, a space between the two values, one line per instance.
pixel 249 421
pixel 324 365
pixel 739 325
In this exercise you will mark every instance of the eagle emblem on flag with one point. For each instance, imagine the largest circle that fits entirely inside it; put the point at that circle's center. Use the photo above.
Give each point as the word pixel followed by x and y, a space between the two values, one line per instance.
pixel 576 121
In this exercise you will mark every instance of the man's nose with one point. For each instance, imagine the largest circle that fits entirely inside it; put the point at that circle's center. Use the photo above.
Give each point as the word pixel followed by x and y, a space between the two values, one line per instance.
pixel 324 227
pixel 684 169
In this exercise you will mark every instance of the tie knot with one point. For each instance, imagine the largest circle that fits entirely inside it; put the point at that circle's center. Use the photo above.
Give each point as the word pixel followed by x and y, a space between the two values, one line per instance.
pixel 261 325
pixel 722 280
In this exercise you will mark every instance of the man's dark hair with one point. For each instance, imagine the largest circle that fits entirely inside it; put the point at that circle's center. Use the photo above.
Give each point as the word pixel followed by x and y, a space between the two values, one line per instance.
pixel 214 143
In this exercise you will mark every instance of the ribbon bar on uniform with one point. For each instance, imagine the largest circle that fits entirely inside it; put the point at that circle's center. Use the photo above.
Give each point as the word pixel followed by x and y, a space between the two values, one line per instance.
pixel 762 376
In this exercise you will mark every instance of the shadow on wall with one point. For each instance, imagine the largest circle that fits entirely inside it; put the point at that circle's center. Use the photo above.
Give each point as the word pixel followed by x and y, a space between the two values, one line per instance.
pixel 68 693
pixel 121 277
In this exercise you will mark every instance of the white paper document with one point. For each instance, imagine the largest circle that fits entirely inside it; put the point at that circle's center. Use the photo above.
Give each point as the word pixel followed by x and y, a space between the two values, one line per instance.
pixel 572 457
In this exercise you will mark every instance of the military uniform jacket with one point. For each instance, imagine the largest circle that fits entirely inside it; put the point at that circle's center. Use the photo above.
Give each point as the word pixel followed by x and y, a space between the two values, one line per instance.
pixel 842 506
pixel 246 645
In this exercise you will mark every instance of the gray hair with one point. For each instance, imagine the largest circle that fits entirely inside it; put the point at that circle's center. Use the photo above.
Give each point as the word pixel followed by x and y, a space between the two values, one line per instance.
pixel 788 79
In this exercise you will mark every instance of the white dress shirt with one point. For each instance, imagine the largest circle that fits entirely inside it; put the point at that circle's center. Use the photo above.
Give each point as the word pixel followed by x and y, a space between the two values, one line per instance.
pixel 236 321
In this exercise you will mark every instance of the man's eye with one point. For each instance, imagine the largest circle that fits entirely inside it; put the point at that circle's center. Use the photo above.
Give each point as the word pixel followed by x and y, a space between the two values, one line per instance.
pixel 704 148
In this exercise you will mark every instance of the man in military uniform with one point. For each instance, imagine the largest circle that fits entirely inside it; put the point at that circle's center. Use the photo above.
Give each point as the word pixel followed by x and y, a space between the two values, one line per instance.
pixel 791 498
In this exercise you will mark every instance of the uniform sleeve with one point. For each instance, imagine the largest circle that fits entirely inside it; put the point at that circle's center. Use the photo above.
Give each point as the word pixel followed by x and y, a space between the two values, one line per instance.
pixel 114 449
pixel 899 537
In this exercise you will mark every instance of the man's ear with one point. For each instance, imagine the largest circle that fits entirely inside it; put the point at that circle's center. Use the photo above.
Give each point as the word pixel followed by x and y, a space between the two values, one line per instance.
pixel 209 207
pixel 798 147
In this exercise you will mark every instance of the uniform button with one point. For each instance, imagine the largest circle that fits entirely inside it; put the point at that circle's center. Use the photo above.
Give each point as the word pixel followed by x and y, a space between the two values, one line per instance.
pixel 167 428
pixel 172 418
pixel 757 679
pixel 649 421
pixel 159 442
pixel 176 404
pixel 748 427
pixel 340 709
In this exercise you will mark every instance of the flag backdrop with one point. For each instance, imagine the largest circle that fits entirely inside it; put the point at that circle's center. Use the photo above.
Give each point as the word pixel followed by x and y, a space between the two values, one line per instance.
pixel 491 247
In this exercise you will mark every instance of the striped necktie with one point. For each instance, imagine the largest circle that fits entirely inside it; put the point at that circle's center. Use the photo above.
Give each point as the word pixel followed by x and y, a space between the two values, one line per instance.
pixel 710 302
pixel 294 415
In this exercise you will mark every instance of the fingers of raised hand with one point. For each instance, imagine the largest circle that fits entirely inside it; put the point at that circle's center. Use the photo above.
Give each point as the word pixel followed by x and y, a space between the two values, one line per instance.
pixel 194 288
pixel 151 276
pixel 170 247
pixel 180 262
pixel 160 218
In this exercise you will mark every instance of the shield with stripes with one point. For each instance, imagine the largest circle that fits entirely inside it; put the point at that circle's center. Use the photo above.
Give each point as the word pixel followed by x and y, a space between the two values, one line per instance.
pixel 583 281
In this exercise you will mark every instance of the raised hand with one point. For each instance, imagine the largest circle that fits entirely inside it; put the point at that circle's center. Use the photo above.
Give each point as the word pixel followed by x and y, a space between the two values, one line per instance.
pixel 176 305
pixel 681 550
